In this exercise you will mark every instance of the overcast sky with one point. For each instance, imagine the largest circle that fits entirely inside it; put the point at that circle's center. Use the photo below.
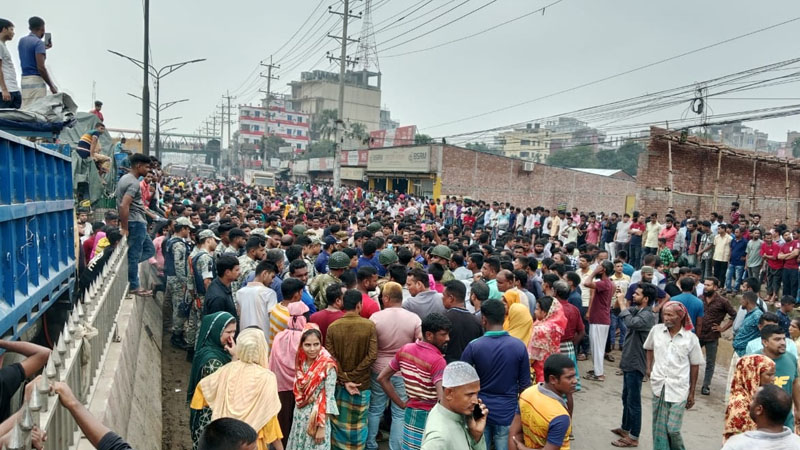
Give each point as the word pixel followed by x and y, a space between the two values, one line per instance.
pixel 574 42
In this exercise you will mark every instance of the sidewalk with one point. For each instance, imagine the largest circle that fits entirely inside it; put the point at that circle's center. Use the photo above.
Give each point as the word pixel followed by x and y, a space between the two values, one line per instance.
pixel 598 409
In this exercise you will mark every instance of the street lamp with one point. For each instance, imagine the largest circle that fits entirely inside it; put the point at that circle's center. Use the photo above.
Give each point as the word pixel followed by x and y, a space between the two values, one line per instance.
pixel 157 75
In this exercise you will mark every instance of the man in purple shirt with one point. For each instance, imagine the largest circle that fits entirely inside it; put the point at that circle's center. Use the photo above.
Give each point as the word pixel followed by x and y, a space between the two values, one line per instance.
pixel 32 54
pixel 501 361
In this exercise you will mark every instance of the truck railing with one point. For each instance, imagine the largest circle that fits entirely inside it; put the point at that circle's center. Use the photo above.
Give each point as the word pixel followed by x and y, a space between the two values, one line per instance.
pixel 76 358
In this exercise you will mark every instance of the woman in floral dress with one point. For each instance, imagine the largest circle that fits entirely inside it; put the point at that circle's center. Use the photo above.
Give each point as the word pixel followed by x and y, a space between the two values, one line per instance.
pixel 213 350
pixel 314 394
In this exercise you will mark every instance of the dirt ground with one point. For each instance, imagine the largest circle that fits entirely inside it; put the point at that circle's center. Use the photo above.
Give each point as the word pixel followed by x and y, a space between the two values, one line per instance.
pixel 174 410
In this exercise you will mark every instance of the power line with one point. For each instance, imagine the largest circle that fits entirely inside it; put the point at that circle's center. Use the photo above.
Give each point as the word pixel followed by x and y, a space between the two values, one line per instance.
pixel 617 75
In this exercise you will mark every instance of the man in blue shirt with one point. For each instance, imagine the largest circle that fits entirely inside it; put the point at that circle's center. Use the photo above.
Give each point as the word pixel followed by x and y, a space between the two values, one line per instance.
pixel 32 54
pixel 694 306
pixel 749 328
pixel 737 263
pixel 502 363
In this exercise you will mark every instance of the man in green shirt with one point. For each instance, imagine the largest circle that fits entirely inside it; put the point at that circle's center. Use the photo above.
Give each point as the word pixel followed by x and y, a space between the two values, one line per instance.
pixel 452 424
pixel 774 340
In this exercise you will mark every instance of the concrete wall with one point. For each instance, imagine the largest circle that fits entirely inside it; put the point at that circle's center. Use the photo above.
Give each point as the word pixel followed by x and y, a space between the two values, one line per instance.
pixel 483 176
pixel 361 105
pixel 128 394
pixel 694 171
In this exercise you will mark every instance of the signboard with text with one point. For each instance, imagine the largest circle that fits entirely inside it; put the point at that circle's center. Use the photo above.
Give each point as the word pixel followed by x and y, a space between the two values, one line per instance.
pixel 300 166
pixel 411 159
pixel 353 173
pixel 320 164
pixel 287 149
pixel 355 157
pixel 393 138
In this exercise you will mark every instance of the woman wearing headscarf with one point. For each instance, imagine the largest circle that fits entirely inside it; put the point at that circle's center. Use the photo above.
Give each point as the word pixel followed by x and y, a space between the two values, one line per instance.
pixel 751 372
pixel 213 350
pixel 245 389
pixel 518 321
pixel 282 362
pixel 314 388
pixel 546 335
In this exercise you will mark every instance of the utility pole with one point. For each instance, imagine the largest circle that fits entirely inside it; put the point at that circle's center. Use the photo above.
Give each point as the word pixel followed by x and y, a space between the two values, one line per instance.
pixel 343 61
pixel 146 82
pixel 233 158
pixel 268 94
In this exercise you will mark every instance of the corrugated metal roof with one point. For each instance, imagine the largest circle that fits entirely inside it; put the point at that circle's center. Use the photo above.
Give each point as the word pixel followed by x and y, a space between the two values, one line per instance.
pixel 602 172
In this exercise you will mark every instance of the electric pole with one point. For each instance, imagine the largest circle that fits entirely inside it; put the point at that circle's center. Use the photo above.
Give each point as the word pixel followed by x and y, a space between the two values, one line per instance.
pixel 268 94
pixel 343 61
pixel 233 158
pixel 146 82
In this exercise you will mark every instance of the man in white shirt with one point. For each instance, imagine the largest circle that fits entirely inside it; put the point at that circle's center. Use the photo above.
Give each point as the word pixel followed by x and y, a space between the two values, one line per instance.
pixel 256 300
pixel 673 363
pixel 11 95
pixel 622 236
pixel 769 409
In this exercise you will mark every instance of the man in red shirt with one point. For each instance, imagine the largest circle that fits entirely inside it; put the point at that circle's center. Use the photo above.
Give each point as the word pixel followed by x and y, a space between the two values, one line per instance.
pixel 769 251
pixel 573 332
pixel 367 277
pixel 669 232
pixel 98 105
pixel 788 253
pixel 334 294
pixel 599 315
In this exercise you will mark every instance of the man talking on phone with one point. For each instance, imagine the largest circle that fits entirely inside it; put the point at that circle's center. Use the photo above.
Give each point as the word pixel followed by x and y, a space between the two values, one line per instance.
pixel 32 54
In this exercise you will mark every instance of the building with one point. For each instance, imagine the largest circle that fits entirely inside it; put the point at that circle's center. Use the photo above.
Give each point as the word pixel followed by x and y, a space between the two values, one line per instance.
pixel 739 136
pixel 535 142
pixel 292 127
pixel 386 121
pixel 319 90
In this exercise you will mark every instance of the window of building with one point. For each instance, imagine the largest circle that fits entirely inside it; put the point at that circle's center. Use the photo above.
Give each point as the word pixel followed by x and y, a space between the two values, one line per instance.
pixel 255 128
pixel 289 117
pixel 299 119
pixel 299 147
pixel 299 132
pixel 245 127
pixel 524 154
pixel 524 142
pixel 256 113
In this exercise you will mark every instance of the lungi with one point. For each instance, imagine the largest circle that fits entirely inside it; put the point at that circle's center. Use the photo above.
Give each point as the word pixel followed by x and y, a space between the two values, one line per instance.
pixel 568 348
pixel 33 88
pixel 667 421
pixel 349 428
pixel 413 428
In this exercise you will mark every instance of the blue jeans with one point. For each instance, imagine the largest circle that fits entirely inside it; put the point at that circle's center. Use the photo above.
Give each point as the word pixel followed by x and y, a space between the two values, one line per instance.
pixel 376 406
pixel 635 256
pixel 616 322
pixel 734 275
pixel 497 434
pixel 632 403
pixel 140 248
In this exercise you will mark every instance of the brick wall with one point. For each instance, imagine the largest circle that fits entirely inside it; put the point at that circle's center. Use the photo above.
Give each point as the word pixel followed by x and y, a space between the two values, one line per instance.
pixel 694 172
pixel 488 177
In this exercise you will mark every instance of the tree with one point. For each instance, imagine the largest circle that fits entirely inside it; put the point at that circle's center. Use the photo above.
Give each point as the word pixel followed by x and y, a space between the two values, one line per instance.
pixel 324 124
pixel 796 148
pixel 421 139
pixel 627 157
pixel 581 156
pixel 357 131
pixel 482 147
pixel 321 149
pixel 273 143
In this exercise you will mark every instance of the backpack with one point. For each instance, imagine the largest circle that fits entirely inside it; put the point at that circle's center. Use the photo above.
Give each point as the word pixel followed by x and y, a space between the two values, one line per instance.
pixel 199 286
pixel 169 255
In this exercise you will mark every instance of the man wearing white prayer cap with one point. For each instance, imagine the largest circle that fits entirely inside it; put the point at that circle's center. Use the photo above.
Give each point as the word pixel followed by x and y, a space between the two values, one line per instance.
pixel 458 420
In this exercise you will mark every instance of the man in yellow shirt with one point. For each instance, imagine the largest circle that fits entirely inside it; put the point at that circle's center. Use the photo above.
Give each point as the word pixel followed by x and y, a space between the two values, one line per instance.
pixel 651 235
pixel 543 420
pixel 722 252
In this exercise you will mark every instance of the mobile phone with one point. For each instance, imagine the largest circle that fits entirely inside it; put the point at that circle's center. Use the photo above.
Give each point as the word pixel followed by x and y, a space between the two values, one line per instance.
pixel 48 39
pixel 477 412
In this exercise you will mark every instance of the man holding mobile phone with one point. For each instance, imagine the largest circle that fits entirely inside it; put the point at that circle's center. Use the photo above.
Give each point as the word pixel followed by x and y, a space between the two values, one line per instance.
pixel 32 54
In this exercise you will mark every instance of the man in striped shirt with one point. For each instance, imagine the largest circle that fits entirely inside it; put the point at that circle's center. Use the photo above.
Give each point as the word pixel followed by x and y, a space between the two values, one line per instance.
pixel 421 364
pixel 292 290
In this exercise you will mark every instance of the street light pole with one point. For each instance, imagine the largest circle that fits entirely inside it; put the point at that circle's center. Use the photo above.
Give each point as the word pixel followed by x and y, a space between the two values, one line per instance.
pixel 146 83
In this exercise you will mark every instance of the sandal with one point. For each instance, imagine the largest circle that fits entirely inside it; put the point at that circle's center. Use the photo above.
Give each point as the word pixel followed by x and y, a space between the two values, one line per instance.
pixel 620 432
pixel 619 372
pixel 625 443
pixel 593 377
pixel 582 357
pixel 609 358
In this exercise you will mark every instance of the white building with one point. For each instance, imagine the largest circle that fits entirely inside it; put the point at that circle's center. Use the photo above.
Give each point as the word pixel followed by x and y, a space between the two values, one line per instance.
pixel 292 127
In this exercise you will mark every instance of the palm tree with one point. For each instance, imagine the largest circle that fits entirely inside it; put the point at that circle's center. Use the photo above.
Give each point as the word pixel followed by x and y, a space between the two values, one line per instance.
pixel 357 131
pixel 324 125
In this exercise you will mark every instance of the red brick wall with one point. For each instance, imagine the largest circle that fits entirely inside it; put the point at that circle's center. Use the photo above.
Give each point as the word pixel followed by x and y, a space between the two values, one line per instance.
pixel 488 177
pixel 694 171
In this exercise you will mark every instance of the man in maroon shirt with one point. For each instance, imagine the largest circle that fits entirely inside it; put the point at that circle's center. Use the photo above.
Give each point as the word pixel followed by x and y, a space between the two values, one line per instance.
pixel 367 277
pixel 599 315
pixel 769 251
pixel 788 253
pixel 334 293
pixel 573 331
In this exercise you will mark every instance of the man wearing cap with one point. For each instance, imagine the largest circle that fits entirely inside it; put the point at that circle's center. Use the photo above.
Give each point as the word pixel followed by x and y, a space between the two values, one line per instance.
pixel 328 247
pixel 176 269
pixel 337 264
pixel 441 254
pixel 204 270
pixel 452 424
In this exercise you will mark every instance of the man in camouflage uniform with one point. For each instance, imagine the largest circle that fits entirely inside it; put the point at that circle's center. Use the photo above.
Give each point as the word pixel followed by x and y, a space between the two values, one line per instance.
pixel 178 282
pixel 441 254
pixel 203 272
pixel 337 264
pixel 255 253
pixel 310 253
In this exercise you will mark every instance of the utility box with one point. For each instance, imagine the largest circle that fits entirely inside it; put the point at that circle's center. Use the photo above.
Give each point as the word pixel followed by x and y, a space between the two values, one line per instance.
pixel 37 232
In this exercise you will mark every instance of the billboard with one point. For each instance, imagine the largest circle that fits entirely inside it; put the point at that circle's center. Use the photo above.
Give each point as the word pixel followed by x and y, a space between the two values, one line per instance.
pixel 300 166
pixel 411 159
pixel 355 157
pixel 353 173
pixel 393 138
pixel 321 164
pixel 274 162
pixel 287 149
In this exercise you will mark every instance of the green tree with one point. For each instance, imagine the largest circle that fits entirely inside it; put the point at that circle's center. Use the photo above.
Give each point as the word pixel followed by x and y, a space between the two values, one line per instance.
pixel 357 131
pixel 421 139
pixel 323 125
pixel 796 148
pixel 272 143
pixel 581 156
pixel 625 158
pixel 320 149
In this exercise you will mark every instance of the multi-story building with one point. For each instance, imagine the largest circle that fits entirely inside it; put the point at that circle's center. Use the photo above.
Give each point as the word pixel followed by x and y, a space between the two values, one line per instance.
pixel 281 121
pixel 319 90
pixel 386 121
pixel 737 135
pixel 531 143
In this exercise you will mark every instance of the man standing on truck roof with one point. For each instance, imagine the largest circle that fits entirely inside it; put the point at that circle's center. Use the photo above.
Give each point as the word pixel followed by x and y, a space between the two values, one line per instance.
pixel 133 221
pixel 32 54
pixel 12 97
